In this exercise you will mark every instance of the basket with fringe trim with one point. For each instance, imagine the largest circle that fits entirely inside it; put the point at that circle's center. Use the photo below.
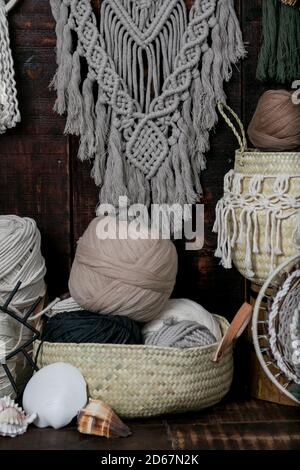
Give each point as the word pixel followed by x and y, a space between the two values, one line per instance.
pixel 259 215
pixel 142 381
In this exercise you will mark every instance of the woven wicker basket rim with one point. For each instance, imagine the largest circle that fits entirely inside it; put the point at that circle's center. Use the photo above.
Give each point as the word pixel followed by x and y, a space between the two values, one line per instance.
pixel 142 347
pixel 271 154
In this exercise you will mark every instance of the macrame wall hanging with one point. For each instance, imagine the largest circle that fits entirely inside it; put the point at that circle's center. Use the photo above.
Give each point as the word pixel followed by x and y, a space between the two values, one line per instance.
pixel 279 58
pixel 9 110
pixel 140 88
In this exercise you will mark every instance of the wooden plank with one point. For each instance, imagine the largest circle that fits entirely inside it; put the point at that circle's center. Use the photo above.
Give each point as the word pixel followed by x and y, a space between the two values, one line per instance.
pixel 40 105
pixel 252 88
pixel 35 38
pixel 30 21
pixel 35 156
pixel 33 8
pixel 236 436
pixel 35 184
pixel 149 437
pixel 26 145
pixel 236 410
pixel 40 125
pixel 232 425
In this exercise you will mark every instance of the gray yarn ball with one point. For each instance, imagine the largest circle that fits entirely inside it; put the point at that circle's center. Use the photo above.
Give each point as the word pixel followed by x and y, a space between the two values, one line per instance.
pixel 181 334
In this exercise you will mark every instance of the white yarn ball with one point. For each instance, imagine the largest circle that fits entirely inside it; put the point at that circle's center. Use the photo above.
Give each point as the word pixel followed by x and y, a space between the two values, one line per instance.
pixel 56 394
pixel 20 260
pixel 184 309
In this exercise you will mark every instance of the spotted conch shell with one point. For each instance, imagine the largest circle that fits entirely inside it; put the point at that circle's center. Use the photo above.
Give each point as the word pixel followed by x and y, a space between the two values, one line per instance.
pixel 13 420
pixel 99 419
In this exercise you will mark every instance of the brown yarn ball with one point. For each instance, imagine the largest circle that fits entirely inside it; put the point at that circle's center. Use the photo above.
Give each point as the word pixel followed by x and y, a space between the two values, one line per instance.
pixel 275 125
pixel 123 276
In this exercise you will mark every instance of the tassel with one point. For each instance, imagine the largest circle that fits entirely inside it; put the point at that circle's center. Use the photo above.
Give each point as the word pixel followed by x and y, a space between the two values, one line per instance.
pixel 288 48
pixel 114 184
pixel 255 232
pixel 240 239
pixel 267 245
pixel 55 8
pixel 266 67
pixel 279 58
pixel 64 72
pixel 248 257
pixel 74 122
pixel 187 148
pixel 101 136
pixel 87 142
pixel 278 250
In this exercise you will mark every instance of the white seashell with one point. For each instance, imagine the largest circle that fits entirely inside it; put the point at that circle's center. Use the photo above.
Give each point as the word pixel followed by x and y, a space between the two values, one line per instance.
pixel 56 393
pixel 13 420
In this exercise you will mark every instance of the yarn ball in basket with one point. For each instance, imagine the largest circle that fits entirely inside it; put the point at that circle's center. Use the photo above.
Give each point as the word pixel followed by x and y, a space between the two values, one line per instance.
pixel 181 334
pixel 275 125
pixel 88 327
pixel 120 274
pixel 180 310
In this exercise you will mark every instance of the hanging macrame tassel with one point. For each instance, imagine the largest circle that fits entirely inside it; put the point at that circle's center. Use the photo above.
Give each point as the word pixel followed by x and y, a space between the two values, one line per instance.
pixel 288 47
pixel 55 7
pixel 279 56
pixel 101 139
pixel 226 48
pixel 266 66
pixel 64 59
pixel 74 122
pixel 137 185
pixel 144 60
pixel 87 143
pixel 248 254
pixel 114 183
pixel 188 154
pixel 9 108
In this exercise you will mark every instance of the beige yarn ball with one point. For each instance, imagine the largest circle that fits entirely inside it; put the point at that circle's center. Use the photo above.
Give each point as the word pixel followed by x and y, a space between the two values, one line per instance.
pixel 122 275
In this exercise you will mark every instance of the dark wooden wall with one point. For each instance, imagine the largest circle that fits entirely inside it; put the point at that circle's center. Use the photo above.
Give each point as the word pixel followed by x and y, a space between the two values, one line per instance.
pixel 41 177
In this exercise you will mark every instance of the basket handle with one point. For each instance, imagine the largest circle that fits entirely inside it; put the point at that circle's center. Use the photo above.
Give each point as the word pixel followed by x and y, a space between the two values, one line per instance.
pixel 237 327
pixel 240 132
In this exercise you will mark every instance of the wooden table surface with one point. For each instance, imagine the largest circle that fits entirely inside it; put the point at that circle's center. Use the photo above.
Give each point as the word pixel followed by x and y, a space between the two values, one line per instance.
pixel 231 425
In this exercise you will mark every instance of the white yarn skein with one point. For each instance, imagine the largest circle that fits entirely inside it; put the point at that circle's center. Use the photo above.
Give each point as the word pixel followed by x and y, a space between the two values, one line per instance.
pixel 184 309
pixel 20 260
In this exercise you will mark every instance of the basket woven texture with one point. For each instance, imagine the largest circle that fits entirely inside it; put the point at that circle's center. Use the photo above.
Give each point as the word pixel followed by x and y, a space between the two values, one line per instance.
pixel 272 164
pixel 264 191
pixel 142 381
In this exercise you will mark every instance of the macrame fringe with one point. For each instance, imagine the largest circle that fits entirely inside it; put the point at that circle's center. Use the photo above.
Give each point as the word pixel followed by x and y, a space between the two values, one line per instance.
pixel 87 146
pixel 74 123
pixel 237 219
pixel 131 57
pixel 279 58
pixel 9 108
pixel 116 56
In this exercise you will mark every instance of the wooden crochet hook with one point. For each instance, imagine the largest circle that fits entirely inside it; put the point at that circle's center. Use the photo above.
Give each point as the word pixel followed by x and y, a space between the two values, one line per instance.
pixel 237 327
pixel 10 5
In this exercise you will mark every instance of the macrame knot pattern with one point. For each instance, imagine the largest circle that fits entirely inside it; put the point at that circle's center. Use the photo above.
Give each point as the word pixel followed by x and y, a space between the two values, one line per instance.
pixel 147 104
pixel 258 216
pixel 9 108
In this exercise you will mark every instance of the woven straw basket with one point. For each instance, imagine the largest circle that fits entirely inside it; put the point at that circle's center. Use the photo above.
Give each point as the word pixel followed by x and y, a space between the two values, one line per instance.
pixel 142 381
pixel 258 216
